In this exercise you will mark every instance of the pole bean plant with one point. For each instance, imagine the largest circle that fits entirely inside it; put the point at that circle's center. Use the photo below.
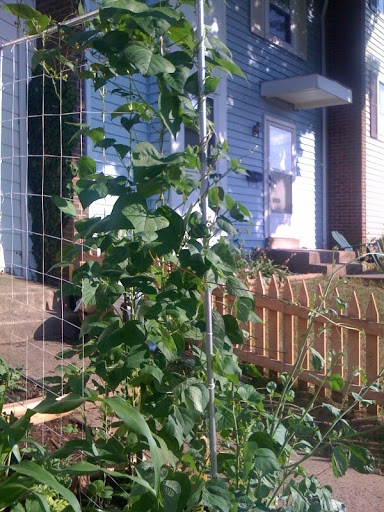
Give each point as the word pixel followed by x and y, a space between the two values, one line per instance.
pixel 146 370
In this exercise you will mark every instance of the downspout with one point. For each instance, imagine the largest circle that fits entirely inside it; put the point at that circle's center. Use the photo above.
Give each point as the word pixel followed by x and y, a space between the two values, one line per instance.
pixel 324 138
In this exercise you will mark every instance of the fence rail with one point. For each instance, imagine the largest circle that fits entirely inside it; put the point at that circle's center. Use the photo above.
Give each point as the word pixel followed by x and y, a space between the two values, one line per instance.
pixel 347 340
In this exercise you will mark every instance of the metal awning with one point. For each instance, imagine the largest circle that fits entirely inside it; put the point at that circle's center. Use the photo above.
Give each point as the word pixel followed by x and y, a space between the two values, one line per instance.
pixel 307 91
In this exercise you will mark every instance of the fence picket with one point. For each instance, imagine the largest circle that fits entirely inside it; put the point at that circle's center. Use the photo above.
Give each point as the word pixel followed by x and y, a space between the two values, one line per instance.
pixel 288 326
pixel 273 326
pixel 354 343
pixel 258 333
pixel 336 333
pixel 372 348
pixel 320 335
pixel 302 327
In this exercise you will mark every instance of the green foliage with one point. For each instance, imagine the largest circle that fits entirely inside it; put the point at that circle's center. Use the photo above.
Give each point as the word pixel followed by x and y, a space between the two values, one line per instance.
pixel 50 171
pixel 152 397
pixel 250 265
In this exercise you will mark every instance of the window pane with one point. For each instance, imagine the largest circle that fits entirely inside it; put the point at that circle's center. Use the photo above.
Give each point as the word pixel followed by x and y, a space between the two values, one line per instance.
pixel 282 4
pixel 280 149
pixel 280 20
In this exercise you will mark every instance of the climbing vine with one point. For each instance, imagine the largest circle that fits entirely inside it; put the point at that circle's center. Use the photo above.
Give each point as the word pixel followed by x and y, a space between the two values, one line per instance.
pixel 51 117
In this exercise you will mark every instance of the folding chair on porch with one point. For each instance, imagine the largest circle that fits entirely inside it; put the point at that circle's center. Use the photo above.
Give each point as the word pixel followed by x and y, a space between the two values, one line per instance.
pixel 374 249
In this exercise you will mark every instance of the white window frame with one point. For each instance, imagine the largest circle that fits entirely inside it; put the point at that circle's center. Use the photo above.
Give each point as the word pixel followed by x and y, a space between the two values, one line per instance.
pixel 260 25
pixel 380 115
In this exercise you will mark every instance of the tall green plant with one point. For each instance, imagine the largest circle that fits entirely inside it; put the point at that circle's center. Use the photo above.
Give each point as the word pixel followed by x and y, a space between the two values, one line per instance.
pixel 51 118
pixel 151 452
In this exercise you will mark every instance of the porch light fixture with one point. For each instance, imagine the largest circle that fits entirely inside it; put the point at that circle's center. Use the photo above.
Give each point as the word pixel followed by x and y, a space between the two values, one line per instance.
pixel 256 130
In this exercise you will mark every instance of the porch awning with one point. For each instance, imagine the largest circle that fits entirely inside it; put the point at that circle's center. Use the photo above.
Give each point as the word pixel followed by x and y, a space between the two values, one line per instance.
pixel 307 91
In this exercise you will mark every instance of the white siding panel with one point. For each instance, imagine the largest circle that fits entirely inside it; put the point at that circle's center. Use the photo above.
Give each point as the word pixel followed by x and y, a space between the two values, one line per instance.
pixel 374 148
pixel 13 211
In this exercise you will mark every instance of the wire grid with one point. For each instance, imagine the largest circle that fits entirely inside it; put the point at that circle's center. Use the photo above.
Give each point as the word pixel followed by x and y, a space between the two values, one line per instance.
pixel 36 325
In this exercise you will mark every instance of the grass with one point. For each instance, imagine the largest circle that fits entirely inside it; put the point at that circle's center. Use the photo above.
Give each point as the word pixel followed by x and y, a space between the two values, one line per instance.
pixel 346 286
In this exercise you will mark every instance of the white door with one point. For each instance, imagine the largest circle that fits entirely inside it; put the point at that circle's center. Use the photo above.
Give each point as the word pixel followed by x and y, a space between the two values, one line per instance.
pixel 279 174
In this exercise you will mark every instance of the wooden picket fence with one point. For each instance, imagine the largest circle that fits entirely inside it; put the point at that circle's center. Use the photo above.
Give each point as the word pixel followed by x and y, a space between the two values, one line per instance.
pixel 274 344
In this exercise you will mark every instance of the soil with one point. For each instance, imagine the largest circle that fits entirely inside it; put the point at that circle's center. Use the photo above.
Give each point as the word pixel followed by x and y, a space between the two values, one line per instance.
pixel 25 389
pixel 54 434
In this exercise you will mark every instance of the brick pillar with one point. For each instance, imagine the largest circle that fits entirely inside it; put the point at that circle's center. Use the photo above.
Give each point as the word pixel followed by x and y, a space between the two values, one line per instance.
pixel 346 124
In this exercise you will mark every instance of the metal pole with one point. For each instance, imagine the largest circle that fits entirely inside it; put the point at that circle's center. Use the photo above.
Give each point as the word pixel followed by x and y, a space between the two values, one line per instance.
pixel 204 212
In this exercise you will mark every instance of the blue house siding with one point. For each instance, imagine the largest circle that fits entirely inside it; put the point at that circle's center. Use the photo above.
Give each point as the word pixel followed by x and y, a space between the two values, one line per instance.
pixel 260 61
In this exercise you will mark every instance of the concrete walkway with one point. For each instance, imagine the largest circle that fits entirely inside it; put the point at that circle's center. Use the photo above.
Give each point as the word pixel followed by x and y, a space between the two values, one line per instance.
pixel 34 326
pixel 359 493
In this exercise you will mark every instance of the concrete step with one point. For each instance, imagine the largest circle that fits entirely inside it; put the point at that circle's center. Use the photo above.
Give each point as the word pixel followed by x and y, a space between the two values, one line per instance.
pixel 34 295
pixel 320 261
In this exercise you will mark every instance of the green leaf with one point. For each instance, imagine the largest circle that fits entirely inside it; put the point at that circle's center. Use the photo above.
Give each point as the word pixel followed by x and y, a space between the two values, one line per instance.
pixel 197 397
pixel 106 294
pixel 36 503
pixel 336 382
pixel 81 468
pixel 128 124
pixel 218 330
pixel 11 491
pixel 60 405
pixel 130 334
pixel 237 288
pixel 243 306
pixel 41 475
pixel 216 496
pixel 339 460
pixel 361 459
pixel 226 65
pixel 266 461
pixel 43 55
pixel 23 11
pixel 250 449
pixel 112 6
pixel 86 166
pixel 136 422
pixel 65 205
pixel 332 409
pixel 233 330
pixel 249 394
pixel 226 225
pixel 171 491
pixel 216 198
pixel 147 62
pixel 317 360
pixel 170 111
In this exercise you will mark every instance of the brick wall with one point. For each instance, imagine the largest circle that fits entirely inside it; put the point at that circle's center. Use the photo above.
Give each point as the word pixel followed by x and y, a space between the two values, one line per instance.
pixel 346 124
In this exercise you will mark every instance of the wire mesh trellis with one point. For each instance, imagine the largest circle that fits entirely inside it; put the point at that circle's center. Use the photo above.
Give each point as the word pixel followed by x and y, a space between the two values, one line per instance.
pixel 37 323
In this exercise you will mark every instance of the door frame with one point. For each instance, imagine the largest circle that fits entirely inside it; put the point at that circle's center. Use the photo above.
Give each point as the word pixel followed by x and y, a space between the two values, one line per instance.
pixel 284 125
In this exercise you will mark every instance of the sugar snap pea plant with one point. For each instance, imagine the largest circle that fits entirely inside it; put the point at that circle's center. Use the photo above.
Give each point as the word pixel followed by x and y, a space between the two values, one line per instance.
pixel 145 369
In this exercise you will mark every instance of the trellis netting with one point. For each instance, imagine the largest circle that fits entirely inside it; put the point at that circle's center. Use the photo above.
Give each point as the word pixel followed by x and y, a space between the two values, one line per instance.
pixel 39 118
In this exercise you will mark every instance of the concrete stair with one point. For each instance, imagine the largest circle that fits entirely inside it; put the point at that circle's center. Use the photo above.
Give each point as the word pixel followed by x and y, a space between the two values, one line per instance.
pixel 34 326
pixel 316 261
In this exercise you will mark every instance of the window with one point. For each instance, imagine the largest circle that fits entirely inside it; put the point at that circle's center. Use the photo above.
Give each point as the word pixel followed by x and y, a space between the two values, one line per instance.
pixel 283 22
pixel 377 5
pixel 280 158
pixel 377 106
pixel 380 111
pixel 280 19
